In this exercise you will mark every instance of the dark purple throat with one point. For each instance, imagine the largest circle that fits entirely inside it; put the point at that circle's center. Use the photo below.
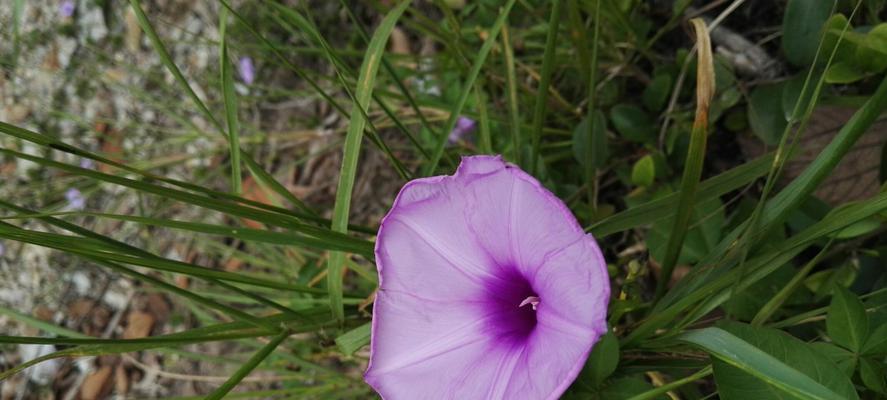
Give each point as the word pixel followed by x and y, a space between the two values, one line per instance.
pixel 513 304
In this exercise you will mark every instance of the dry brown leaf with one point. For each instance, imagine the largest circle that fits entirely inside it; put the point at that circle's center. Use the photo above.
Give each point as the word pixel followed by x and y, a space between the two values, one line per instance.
pixel 855 177
pixel 233 264
pixel 112 144
pixel 399 42
pixel 121 380
pixel 97 384
pixel 182 281
pixel 158 306
pixel 138 325
pixel 80 308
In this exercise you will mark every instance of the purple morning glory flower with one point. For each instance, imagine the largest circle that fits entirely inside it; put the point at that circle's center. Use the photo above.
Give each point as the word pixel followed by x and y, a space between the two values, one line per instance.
pixel 489 289
pixel 66 9
pixel 247 70
pixel 76 201
pixel 464 126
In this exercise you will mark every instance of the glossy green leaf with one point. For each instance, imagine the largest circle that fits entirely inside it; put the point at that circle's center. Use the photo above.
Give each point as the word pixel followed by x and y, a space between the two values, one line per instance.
pixel 590 141
pixel 834 30
pixel 767 364
pixel 633 123
pixel 765 114
pixel 872 57
pixel 847 322
pixel 845 360
pixel 843 72
pixel 877 341
pixel 801 27
pixel 656 93
pixel 873 374
pixel 603 359
pixel 644 171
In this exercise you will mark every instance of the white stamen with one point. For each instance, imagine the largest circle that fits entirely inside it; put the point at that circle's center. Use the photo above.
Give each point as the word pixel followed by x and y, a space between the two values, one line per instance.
pixel 533 301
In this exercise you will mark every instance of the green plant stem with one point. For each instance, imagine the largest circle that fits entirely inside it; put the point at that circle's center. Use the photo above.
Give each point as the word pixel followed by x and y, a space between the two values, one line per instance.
pixel 545 80
pixel 655 393
pixel 248 367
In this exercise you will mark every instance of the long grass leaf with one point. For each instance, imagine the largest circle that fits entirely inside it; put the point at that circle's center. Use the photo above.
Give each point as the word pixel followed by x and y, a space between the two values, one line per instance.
pixel 757 268
pixel 655 210
pixel 351 151
pixel 750 359
pixel 229 98
pixel 548 59
pixel 476 66
pixel 248 367
pixel 705 90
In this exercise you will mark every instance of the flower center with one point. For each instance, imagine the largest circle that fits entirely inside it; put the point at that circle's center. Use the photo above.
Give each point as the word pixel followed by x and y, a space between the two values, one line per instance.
pixel 513 306
pixel 531 300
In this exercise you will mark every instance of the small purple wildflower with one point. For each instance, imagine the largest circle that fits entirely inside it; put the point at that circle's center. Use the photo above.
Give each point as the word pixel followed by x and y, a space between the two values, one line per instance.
pixel 87 163
pixel 2 249
pixel 488 289
pixel 247 70
pixel 76 201
pixel 464 126
pixel 66 9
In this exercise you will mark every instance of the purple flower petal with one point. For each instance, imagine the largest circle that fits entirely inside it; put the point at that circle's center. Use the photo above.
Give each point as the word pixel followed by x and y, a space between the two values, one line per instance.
pixel 75 198
pixel 464 126
pixel 66 9
pixel 87 163
pixel 463 260
pixel 247 70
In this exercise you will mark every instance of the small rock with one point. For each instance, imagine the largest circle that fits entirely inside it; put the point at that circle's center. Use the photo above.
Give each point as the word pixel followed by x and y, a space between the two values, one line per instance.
pixel 44 372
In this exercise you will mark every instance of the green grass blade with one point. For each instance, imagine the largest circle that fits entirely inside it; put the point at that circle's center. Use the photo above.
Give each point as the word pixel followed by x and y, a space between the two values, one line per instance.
pixel 245 234
pixel 778 207
pixel 166 59
pixel 96 249
pixel 273 219
pixel 757 268
pixel 485 142
pixel 545 80
pixel 351 341
pixel 705 90
pixel 775 302
pixel 397 81
pixel 592 155
pixel 190 295
pixel 248 367
pixel 40 324
pixel 652 211
pixel 261 175
pixel 476 66
pixel 229 97
pixel 514 124
pixel 343 74
pixel 351 152
pixel 740 354
pixel 661 390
